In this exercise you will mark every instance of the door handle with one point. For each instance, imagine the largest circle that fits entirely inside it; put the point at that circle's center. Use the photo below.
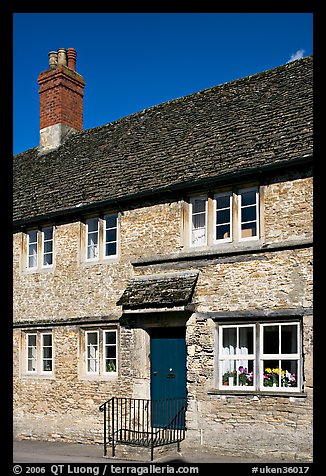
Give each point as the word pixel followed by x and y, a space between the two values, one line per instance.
pixel 154 373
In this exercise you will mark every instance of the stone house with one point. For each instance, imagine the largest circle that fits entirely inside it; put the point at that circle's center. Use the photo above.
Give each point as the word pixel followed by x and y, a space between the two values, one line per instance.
pixel 169 254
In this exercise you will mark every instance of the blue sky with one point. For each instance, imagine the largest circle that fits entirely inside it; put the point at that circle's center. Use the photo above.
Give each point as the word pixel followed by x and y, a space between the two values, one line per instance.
pixel 132 61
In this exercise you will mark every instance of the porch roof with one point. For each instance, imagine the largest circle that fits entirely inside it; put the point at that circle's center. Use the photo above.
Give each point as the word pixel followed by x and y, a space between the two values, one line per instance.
pixel 157 291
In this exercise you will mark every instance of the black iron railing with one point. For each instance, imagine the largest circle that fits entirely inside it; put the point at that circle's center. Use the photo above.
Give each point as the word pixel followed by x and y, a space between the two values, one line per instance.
pixel 143 422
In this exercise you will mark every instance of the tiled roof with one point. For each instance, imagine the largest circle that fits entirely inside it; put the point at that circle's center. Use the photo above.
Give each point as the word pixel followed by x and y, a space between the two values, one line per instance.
pixel 261 120
pixel 157 291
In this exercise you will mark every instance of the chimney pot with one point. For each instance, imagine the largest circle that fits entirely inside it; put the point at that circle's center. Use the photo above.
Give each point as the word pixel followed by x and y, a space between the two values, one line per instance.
pixel 62 57
pixel 61 99
pixel 71 57
pixel 53 59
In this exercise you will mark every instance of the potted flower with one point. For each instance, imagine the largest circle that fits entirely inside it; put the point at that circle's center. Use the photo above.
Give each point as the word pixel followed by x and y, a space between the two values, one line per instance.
pixel 272 378
pixel 229 377
pixel 245 377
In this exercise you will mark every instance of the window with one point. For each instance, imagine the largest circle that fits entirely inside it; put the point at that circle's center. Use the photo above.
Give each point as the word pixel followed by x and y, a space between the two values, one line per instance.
pixel 92 230
pixel 224 217
pixel 40 248
pixel 39 353
pixel 32 245
pixel 237 358
pixel 198 207
pixel 273 365
pixel 101 352
pixel 248 214
pixel 92 355
pixel 102 237
pixel 280 358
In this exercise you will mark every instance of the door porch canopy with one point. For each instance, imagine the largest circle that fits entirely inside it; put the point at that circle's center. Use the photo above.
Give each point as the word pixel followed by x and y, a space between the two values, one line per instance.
pixel 159 293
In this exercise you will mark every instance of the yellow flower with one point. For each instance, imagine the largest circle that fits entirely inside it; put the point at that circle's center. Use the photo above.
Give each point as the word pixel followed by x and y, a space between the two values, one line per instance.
pixel 268 370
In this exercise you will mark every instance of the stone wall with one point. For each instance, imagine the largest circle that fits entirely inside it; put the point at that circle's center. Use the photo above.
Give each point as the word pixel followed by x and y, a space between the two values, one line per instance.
pixel 75 295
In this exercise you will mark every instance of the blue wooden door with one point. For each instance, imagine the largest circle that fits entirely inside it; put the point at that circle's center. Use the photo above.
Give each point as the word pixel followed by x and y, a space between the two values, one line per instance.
pixel 168 374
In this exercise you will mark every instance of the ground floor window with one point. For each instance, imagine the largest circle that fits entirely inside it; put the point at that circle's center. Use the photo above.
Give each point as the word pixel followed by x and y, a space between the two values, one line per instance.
pixel 38 348
pixel 101 351
pixel 259 356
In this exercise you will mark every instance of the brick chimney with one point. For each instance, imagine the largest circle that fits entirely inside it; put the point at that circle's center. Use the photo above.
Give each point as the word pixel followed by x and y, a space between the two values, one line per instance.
pixel 61 99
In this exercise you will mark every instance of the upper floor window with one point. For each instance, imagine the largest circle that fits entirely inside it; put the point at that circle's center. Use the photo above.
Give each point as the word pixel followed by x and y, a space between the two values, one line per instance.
pixel 224 217
pixel 198 210
pixel 40 248
pixel 101 237
pixel 260 356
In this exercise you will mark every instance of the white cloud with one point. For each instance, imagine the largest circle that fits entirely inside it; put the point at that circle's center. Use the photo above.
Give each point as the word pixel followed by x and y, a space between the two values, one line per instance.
pixel 297 55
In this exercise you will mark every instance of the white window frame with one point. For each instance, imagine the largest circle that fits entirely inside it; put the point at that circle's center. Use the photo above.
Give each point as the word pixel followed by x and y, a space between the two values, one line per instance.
pixel 259 358
pixel 97 232
pixel 40 250
pixel 43 346
pixel 39 357
pixel 29 243
pixel 115 345
pixel 191 202
pixel 44 265
pixel 97 358
pixel 105 229
pixel 240 192
pixel 216 197
pixel 236 357
pixel 28 359
pixel 279 357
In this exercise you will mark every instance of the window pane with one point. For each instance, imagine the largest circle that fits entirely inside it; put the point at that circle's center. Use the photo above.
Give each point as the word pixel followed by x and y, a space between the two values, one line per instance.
pixel 92 338
pixel 111 235
pixel 47 233
pixel 248 214
pixel 48 259
pixel 198 205
pixel 245 374
pixel 110 249
pixel 92 352
pixel 246 340
pixel 271 373
pixel 248 230
pixel 47 339
pixel 248 198
pixel 289 342
pixel 229 340
pixel 223 232
pixel 198 221
pixel 92 246
pixel 223 216
pixel 111 221
pixel 47 247
pixel 110 351
pixel 92 365
pixel 271 340
pixel 289 373
pixel 31 339
pixel 47 353
pixel 223 201
pixel 32 236
pixel 92 225
pixel 31 367
pixel 32 255
pixel 47 365
pixel 31 353
pixel 110 338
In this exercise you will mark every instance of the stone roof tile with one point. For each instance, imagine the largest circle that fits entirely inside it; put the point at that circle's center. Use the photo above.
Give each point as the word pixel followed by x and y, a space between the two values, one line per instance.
pixel 260 120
